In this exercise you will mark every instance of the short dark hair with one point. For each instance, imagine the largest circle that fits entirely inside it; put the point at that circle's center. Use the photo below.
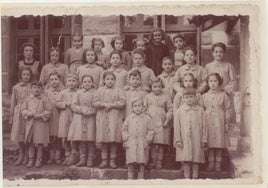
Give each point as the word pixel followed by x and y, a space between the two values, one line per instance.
pixel 189 48
pixel 37 83
pixel 27 69
pixel 116 52
pixel 117 38
pixel 55 73
pixel 218 44
pixel 191 75
pixel 167 58
pixel 28 44
pixel 135 73
pixel 95 40
pixel 84 58
pixel 157 80
pixel 218 77
pixel 77 35
pixel 138 51
pixel 87 75
pixel 178 35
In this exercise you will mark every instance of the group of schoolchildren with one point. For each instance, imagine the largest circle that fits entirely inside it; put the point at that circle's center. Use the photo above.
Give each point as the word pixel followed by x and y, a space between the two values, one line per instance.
pixel 94 100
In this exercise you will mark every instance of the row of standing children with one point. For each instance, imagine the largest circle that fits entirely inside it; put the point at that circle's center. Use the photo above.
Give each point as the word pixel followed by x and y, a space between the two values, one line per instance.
pixel 77 108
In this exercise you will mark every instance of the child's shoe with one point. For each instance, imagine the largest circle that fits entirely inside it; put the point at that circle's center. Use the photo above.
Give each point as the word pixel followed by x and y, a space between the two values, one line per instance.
pixel 158 165
pixel 30 163
pixel 140 175
pixel 217 166
pixel 113 164
pixel 57 157
pixel 130 175
pixel 90 162
pixel 72 160
pixel 65 162
pixel 51 157
pixel 38 163
pixel 25 160
pixel 104 164
pixel 210 166
pixel 19 160
pixel 82 162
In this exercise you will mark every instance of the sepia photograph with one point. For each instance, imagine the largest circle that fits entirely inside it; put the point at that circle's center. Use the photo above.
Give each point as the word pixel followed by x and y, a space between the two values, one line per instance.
pixel 146 95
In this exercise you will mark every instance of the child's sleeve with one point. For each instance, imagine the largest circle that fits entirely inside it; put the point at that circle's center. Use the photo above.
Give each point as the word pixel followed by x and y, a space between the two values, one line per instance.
pixel 67 58
pixel 101 80
pixel 177 128
pixel 13 103
pixel 60 103
pixel 227 108
pixel 150 130
pixel 121 102
pixel 48 109
pixel 97 103
pixel 169 109
pixel 43 74
pixel 24 109
pixel 125 134
pixel 204 130
pixel 176 81
pixel 74 106
pixel 231 85
pixel 145 102
pixel 152 75
pixel 66 72
pixel 203 85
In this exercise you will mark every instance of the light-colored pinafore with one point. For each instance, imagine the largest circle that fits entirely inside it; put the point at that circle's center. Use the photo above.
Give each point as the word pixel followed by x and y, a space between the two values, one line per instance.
pixel 137 133
pixel 83 126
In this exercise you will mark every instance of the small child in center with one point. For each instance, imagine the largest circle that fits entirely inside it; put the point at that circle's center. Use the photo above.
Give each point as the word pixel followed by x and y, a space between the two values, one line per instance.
pixel 137 134
pixel 190 134
pixel 159 106
pixel 36 109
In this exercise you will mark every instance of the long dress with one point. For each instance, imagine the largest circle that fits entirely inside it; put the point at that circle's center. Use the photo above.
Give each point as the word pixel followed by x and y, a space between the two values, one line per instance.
pixel 66 113
pixel 190 129
pixel 19 93
pixel 218 112
pixel 160 109
pixel 37 129
pixel 137 133
pixel 109 122
pixel 83 126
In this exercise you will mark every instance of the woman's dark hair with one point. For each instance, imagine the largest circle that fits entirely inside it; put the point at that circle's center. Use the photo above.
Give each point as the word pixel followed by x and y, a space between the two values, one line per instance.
pixel 28 44
pixel 116 52
pixel 218 44
pixel 190 48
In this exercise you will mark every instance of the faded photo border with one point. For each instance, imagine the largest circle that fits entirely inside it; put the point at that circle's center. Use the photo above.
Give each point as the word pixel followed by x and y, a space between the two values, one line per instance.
pixel 256 12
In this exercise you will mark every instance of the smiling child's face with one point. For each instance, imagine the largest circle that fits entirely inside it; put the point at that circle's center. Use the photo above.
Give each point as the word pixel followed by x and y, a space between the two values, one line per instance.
pixel 218 53
pixel 157 36
pixel 54 81
pixel 157 88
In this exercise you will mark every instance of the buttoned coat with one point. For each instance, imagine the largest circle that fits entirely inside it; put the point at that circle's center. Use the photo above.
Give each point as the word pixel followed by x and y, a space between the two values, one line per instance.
pixel 190 129
pixel 160 109
pixel 109 121
pixel 37 129
pixel 19 93
pixel 218 112
pixel 137 134
pixel 66 113
pixel 83 126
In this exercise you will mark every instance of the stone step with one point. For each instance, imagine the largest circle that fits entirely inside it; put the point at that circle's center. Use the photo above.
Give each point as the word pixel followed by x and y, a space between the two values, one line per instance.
pixel 86 173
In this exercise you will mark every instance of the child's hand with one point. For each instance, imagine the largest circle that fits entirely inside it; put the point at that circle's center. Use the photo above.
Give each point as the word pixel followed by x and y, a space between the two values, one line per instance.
pixel 126 88
pixel 179 144
pixel 165 123
pixel 203 144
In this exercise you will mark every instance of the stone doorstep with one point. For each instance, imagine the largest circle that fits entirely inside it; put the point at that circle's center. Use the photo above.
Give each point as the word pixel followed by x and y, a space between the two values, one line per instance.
pixel 87 173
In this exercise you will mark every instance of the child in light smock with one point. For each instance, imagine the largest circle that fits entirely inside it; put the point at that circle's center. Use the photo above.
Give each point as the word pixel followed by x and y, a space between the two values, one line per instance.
pixel 137 134
pixel 190 134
